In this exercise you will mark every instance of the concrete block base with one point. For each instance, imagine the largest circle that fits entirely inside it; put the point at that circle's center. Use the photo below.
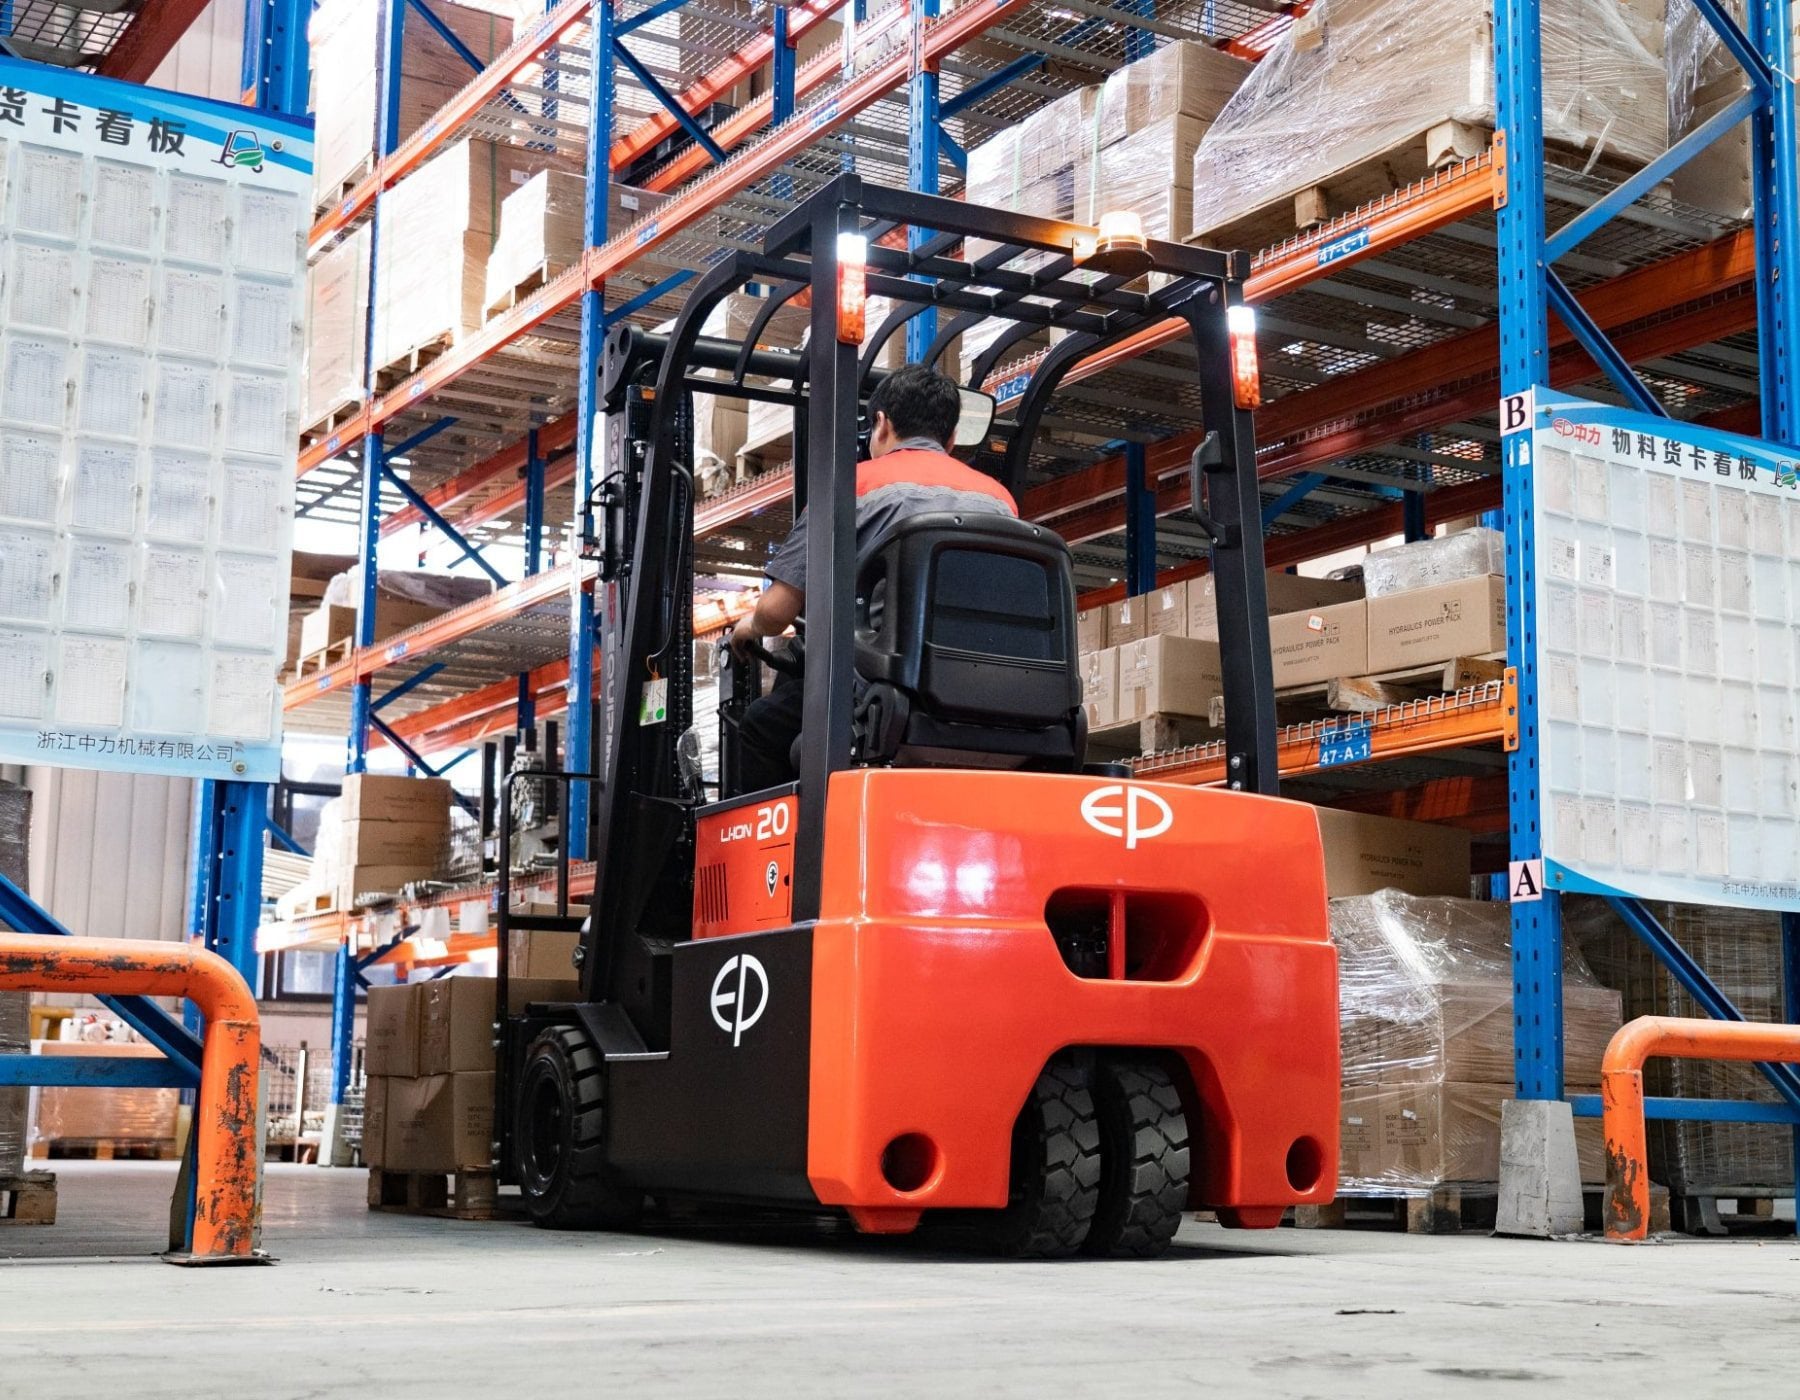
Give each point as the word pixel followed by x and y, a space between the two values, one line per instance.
pixel 1540 1179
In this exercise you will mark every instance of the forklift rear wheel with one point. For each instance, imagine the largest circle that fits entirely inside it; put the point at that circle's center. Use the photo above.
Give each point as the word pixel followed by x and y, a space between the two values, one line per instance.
pixel 560 1132
pixel 1055 1167
pixel 1143 1160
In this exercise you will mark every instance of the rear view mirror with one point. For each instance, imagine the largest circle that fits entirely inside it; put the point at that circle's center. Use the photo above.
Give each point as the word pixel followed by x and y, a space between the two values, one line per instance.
pixel 977 418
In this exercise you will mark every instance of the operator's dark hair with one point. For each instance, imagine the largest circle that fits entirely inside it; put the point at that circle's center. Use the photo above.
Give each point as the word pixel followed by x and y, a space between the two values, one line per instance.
pixel 919 402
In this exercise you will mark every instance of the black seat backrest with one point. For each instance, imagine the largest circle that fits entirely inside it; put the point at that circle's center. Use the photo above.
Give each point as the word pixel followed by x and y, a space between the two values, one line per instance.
pixel 965 634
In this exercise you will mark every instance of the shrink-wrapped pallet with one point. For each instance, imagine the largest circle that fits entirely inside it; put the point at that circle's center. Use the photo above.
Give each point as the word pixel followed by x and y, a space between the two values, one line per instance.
pixel 543 226
pixel 1434 562
pixel 337 328
pixel 345 37
pixel 1426 1021
pixel 1359 96
pixel 437 232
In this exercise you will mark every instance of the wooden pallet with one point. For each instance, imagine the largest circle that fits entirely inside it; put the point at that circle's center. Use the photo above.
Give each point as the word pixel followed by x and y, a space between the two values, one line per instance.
pixel 28 1199
pixel 326 200
pixel 318 902
pixel 325 657
pixel 1150 734
pixel 1366 694
pixel 1752 1212
pixel 467 1194
pixel 106 1149
pixel 529 286
pixel 331 423
pixel 1448 1208
pixel 397 372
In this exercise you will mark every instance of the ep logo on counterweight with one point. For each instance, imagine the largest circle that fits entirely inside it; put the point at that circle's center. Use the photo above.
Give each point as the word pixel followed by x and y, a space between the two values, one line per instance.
pixel 1132 813
pixel 737 1005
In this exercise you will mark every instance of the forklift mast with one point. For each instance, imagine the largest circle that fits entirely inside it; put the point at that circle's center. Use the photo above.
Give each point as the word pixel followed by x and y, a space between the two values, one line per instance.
pixel 846 242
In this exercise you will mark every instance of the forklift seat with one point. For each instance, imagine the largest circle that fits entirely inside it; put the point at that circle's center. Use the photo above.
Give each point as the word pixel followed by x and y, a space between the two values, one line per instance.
pixel 965 644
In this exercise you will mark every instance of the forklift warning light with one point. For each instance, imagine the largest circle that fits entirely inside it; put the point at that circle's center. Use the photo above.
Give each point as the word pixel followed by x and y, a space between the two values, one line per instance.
pixel 1246 373
pixel 853 287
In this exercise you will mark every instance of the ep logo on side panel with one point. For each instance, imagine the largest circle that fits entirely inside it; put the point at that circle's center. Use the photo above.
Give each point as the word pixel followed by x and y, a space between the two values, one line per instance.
pixel 740 995
pixel 1131 813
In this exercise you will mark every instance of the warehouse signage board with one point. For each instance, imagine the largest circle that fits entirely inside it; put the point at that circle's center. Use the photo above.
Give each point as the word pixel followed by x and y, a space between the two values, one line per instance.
pixel 152 250
pixel 1668 612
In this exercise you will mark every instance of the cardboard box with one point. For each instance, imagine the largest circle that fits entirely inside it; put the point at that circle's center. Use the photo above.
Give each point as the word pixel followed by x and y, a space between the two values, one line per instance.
pixel 1167 676
pixel 1320 645
pixel 375 1116
pixel 386 797
pixel 1184 77
pixel 1365 853
pixel 456 1033
pixel 543 224
pixel 1090 630
pixel 337 332
pixel 440 1122
pixel 329 623
pixel 356 881
pixel 392 1033
pixel 1414 1136
pixel 1166 611
pixel 1428 625
pixel 524 991
pixel 416 845
pixel 68 1114
pixel 1126 622
pixel 542 955
pixel 1100 687
pixel 1287 593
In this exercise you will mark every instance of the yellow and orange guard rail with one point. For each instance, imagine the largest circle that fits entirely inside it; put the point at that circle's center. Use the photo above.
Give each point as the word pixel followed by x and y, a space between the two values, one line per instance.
pixel 225 1165
pixel 1622 1096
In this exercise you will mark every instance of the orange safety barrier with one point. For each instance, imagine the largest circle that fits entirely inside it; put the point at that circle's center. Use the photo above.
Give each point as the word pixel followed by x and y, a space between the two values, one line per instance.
pixel 1622 1096
pixel 227 1209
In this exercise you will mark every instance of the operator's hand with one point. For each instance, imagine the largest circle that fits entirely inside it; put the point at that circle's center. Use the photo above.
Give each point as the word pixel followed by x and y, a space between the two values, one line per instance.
pixel 740 639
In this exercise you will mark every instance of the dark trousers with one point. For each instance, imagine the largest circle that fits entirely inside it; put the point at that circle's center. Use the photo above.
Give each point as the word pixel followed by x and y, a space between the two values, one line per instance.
pixel 768 730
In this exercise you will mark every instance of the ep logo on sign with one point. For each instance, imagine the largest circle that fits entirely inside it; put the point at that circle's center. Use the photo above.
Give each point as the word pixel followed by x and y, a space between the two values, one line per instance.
pixel 738 1005
pixel 1132 813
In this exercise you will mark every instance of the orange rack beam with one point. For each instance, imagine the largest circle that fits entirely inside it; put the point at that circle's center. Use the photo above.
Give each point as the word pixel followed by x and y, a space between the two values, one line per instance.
pixel 1477 715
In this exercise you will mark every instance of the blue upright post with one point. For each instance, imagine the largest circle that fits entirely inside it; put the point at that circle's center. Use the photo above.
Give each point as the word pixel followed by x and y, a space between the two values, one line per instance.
pixel 276 67
pixel 923 124
pixel 1774 150
pixel 1524 362
pixel 587 444
pixel 343 1021
pixel 1140 524
pixel 781 70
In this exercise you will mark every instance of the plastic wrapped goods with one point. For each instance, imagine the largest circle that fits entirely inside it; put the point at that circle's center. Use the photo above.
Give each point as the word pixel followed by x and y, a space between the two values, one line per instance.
pixel 1426 1022
pixel 15 834
pixel 1740 950
pixel 104 1115
pixel 1431 563
pixel 1357 85
pixel 1182 78
pixel 543 226
pixel 337 295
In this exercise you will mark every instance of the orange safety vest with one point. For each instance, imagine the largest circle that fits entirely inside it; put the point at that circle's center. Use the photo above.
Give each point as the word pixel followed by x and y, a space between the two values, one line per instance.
pixel 916 466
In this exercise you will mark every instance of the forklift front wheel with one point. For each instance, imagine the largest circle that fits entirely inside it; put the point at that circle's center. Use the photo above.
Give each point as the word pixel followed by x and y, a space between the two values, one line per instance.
pixel 560 1132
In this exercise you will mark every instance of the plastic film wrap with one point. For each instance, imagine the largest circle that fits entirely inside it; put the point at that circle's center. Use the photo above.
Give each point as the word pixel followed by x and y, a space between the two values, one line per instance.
pixel 1429 563
pixel 1426 1023
pixel 1359 81
pixel 103 1115
pixel 337 293
pixel 543 226
pixel 1741 951
pixel 15 1016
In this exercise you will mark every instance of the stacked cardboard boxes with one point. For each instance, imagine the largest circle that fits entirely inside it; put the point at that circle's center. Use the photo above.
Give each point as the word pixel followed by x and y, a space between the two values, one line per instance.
pixel 345 39
pixel 1436 600
pixel 390 831
pixel 402 600
pixel 543 226
pixel 429 1104
pixel 1159 653
pixel 337 329
pixel 1425 998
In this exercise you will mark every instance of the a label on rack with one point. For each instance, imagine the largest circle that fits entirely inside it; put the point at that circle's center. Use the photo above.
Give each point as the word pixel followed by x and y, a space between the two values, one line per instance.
pixel 655 708
pixel 1348 745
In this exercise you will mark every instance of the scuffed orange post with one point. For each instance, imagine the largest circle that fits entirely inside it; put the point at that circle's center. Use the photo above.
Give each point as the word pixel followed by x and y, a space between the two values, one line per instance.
pixel 225 1218
pixel 1622 1096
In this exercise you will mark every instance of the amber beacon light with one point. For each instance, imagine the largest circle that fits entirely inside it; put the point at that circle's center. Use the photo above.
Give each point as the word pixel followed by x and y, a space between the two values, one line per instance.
pixel 853 287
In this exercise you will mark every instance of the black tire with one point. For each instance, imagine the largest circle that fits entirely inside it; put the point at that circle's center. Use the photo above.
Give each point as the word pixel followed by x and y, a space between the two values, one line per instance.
pixel 558 1137
pixel 1055 1179
pixel 1143 1160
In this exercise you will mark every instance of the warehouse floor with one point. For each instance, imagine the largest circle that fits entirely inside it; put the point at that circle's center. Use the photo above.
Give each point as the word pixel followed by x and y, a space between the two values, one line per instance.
pixel 387 1305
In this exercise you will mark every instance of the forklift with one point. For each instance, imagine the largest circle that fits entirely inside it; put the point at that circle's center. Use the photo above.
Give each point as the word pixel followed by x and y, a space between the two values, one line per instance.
pixel 955 973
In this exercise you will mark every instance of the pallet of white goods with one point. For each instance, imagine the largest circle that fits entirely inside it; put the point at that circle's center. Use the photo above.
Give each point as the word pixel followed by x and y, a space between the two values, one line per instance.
pixel 1360 99
pixel 525 288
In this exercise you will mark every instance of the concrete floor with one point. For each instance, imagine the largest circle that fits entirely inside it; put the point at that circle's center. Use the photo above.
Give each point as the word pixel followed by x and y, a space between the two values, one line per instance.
pixel 385 1306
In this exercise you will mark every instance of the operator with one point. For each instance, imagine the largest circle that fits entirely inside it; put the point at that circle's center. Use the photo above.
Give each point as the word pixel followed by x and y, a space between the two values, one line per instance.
pixel 909 472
